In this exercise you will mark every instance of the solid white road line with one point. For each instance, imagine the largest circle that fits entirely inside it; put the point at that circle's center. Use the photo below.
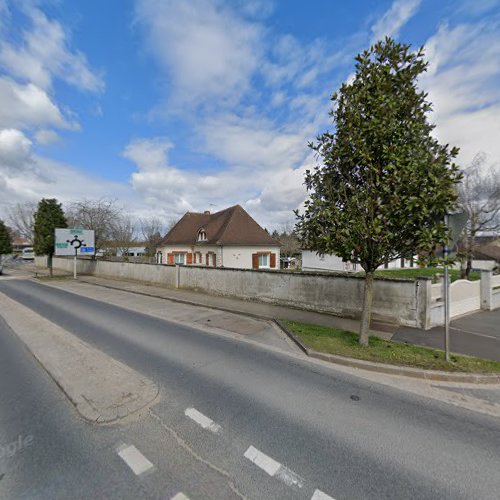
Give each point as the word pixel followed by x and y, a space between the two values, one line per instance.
pixel 273 468
pixel 319 495
pixel 135 459
pixel 202 420
pixel 180 496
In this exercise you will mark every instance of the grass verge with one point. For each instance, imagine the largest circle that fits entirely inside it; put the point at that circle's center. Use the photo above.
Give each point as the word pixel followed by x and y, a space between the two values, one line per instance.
pixel 344 343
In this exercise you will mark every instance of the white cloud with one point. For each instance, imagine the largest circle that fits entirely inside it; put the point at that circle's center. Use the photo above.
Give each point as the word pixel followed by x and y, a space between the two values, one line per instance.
pixel 269 192
pixel 46 137
pixel 34 177
pixel 394 18
pixel 43 53
pixel 462 82
pixel 15 150
pixel 207 51
pixel 25 106
pixel 254 142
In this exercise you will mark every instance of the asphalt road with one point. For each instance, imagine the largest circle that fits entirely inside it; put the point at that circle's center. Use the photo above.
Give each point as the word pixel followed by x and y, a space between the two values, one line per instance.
pixel 280 427
pixel 476 334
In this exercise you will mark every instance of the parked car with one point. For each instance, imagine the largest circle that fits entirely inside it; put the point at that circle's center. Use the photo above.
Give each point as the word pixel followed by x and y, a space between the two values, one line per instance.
pixel 28 254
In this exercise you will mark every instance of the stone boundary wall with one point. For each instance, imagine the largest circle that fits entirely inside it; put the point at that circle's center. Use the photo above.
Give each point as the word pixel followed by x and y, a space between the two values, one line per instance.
pixel 405 302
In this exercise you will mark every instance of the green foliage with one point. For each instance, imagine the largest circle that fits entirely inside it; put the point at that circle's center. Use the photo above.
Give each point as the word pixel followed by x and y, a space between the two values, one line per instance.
pixel 5 239
pixel 49 216
pixel 384 183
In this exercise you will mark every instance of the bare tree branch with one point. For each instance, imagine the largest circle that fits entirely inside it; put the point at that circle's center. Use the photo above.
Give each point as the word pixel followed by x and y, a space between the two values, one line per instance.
pixel 101 215
pixel 480 195
pixel 21 219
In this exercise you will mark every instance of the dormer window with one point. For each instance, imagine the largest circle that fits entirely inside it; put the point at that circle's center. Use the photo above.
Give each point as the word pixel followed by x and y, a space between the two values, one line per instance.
pixel 202 235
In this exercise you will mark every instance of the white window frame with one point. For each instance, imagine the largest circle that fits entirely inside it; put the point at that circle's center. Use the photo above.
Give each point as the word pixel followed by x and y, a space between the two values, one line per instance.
pixel 200 233
pixel 267 257
pixel 180 258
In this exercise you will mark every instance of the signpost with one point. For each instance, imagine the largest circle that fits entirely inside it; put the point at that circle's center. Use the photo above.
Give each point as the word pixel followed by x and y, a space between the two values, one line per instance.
pixel 456 223
pixel 74 242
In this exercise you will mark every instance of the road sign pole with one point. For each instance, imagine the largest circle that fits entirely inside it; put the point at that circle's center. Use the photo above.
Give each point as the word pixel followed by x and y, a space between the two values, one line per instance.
pixel 74 265
pixel 446 299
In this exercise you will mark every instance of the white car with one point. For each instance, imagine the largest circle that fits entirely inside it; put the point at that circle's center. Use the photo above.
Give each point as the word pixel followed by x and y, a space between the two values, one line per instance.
pixel 28 254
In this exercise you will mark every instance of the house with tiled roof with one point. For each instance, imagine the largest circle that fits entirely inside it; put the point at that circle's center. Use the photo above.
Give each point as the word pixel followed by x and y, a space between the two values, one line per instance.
pixel 229 238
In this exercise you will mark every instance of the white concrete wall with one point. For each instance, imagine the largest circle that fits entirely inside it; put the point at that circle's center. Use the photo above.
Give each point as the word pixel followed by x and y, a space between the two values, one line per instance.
pixel 465 297
pixel 398 301
pixel 495 298
pixel 395 300
pixel 151 273
pixel 240 257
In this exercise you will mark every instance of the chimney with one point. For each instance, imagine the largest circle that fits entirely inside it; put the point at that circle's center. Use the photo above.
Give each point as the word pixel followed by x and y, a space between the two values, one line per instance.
pixel 207 212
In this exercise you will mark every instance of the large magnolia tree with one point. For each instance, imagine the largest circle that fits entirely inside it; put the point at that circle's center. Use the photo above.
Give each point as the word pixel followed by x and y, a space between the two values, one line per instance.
pixel 383 183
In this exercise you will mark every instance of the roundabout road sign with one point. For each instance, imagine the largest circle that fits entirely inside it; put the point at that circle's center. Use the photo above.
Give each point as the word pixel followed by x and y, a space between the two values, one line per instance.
pixel 74 242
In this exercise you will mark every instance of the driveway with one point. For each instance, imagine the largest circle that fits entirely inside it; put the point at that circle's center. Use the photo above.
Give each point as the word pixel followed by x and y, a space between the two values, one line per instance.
pixel 476 334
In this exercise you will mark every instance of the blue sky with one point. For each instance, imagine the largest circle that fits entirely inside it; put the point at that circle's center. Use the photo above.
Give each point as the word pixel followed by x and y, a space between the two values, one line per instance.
pixel 171 106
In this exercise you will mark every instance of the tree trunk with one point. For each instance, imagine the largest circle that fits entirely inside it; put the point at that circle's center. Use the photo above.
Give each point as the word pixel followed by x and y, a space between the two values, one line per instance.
pixel 364 329
pixel 468 269
pixel 49 264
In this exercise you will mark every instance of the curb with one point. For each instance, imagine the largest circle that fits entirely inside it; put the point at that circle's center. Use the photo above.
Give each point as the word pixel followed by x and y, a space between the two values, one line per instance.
pixel 441 376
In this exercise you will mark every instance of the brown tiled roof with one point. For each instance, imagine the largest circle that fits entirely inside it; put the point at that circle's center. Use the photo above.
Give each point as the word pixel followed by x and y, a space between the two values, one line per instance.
pixel 232 226
pixel 487 252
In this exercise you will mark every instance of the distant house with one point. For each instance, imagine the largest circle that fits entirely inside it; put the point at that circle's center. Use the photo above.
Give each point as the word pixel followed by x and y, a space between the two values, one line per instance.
pixel 137 251
pixel 312 261
pixel 229 238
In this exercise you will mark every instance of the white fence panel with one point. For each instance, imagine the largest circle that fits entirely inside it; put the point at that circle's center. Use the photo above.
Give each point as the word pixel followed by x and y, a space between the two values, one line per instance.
pixel 465 297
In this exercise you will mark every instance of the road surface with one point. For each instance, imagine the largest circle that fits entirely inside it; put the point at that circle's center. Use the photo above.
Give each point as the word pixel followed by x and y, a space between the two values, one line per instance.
pixel 234 420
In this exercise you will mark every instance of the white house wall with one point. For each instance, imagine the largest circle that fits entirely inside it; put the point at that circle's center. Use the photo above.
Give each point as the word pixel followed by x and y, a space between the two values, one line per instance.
pixel 203 249
pixel 240 257
pixel 311 261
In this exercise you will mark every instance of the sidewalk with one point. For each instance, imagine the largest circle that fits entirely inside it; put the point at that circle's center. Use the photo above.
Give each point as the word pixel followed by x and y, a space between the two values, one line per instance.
pixel 257 309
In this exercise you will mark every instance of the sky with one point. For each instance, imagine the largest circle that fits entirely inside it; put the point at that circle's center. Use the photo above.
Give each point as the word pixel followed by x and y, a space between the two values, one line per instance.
pixel 171 106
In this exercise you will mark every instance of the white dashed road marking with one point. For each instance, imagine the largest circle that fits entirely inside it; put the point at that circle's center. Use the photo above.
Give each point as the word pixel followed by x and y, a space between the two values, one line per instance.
pixel 180 496
pixel 202 420
pixel 319 495
pixel 135 459
pixel 273 468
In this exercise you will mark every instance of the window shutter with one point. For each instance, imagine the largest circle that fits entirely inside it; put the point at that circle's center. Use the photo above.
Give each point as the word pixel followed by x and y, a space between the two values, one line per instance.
pixel 273 260
pixel 170 258
pixel 255 261
pixel 207 257
pixel 189 258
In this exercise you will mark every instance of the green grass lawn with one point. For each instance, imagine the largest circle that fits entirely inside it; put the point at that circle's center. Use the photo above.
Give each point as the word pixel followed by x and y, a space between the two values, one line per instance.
pixel 344 343
pixel 428 272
